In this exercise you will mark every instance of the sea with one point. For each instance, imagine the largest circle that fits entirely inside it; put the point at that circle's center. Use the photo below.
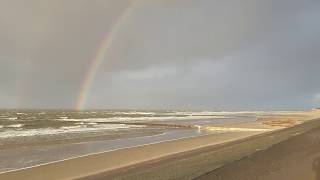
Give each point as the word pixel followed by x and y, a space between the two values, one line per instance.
pixel 34 137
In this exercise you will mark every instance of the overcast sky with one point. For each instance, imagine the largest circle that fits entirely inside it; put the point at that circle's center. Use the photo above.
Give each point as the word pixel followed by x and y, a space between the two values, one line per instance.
pixel 167 54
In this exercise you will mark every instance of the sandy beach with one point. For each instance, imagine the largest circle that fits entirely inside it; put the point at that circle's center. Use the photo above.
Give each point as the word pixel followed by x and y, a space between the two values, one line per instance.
pixel 185 158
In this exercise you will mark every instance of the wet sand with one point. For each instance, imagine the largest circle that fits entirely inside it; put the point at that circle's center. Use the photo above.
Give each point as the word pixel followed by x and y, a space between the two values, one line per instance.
pixel 27 156
pixel 98 163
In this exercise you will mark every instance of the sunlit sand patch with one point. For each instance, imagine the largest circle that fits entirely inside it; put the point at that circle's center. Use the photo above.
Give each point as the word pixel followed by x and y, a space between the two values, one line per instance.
pixel 236 129
pixel 282 121
pixel 289 119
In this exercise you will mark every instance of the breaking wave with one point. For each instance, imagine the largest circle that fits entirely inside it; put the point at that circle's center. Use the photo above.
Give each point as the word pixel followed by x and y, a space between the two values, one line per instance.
pixel 64 129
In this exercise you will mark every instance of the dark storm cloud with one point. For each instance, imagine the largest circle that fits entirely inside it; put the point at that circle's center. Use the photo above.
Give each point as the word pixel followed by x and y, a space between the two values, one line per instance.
pixel 205 54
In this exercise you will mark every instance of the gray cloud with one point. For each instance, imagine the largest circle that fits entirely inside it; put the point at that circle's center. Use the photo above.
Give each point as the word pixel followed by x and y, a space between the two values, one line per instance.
pixel 237 54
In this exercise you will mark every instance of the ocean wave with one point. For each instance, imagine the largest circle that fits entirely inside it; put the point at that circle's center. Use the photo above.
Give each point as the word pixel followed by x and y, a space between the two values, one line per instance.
pixel 64 130
pixel 134 113
pixel 142 119
pixel 15 126
pixel 192 113
pixel 176 113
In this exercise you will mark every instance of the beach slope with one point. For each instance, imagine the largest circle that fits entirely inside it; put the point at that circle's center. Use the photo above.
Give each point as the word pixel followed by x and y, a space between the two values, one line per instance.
pixel 294 159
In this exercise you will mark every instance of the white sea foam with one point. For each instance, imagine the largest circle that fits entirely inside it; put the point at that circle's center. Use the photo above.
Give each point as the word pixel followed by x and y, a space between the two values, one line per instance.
pixel 72 127
pixel 142 119
pixel 86 123
pixel 206 113
pixel 81 123
pixel 64 129
pixel 185 113
pixel 135 113
pixel 15 126
pixel 219 113
pixel 12 118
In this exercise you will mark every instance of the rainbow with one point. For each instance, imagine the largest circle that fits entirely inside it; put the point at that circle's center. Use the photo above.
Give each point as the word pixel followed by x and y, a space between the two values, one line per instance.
pixel 99 57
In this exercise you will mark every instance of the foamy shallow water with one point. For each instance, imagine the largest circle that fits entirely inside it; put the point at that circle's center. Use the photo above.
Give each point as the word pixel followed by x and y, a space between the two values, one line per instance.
pixel 141 119
pixel 63 129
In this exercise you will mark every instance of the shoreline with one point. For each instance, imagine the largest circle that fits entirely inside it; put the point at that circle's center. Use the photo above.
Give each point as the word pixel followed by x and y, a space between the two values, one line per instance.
pixel 90 154
pixel 38 155
pixel 70 168
pixel 52 162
